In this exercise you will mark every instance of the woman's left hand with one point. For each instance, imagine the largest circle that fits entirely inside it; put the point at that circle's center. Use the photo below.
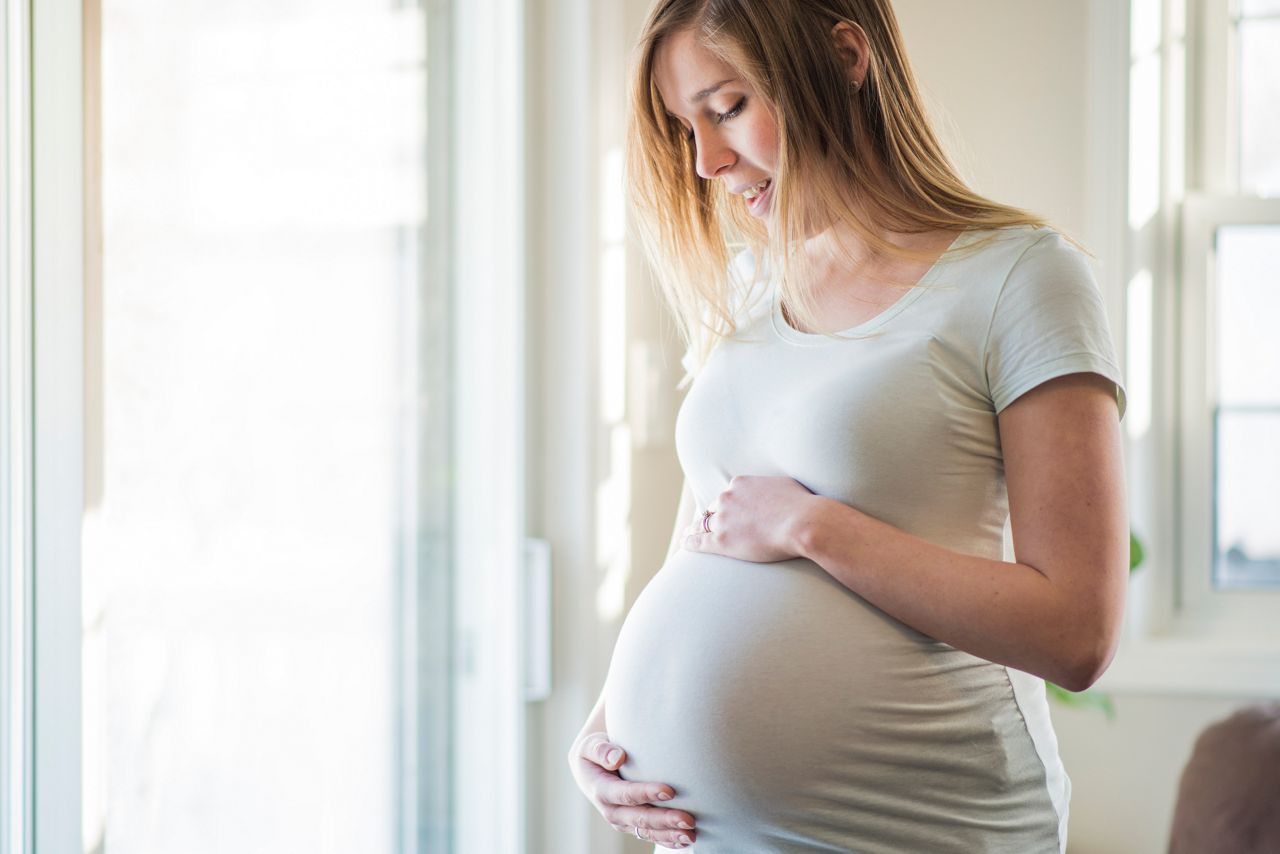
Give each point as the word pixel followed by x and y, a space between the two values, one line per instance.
pixel 755 518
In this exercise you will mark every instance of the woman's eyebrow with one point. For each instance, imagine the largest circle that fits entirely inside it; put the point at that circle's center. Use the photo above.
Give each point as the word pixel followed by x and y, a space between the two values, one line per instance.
pixel 709 90
pixel 705 93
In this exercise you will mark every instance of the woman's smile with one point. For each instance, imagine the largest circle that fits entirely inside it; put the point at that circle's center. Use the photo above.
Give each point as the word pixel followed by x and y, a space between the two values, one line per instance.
pixel 758 197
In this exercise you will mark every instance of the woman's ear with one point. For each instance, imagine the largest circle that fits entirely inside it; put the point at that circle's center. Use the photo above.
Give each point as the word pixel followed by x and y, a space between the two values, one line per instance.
pixel 853 48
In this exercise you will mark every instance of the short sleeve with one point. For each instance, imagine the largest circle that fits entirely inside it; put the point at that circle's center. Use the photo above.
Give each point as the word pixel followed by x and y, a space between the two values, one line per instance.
pixel 1048 321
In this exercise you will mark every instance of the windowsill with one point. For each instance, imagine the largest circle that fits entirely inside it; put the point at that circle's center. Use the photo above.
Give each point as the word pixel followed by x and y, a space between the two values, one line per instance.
pixel 1216 644
pixel 1174 664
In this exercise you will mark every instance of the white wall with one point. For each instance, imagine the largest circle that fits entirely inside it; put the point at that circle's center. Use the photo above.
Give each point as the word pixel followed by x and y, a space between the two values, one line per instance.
pixel 1125 772
pixel 1005 84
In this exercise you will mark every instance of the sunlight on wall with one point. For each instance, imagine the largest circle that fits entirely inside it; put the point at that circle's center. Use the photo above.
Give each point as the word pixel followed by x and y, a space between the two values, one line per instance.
pixel 613 497
pixel 1138 337
pixel 1144 142
pixel 1144 113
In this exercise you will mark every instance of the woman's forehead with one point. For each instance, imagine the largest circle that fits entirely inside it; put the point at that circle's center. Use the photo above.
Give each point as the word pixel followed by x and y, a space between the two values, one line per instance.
pixel 686 72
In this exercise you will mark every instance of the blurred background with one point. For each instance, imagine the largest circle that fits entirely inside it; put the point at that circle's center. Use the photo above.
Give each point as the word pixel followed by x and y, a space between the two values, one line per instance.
pixel 337 401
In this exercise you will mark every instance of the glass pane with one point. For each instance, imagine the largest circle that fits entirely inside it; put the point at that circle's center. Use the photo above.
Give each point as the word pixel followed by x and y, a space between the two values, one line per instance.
pixel 1247 313
pixel 1259 7
pixel 1144 137
pixel 256 530
pixel 1144 27
pixel 1259 115
pixel 1247 420
pixel 1247 498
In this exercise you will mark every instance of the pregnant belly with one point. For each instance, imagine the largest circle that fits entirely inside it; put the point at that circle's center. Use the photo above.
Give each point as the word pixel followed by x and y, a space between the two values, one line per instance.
pixel 790 714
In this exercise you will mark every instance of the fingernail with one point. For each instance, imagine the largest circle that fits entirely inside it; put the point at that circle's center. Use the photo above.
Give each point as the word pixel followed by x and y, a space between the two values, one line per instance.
pixel 663 796
pixel 684 825
pixel 614 756
pixel 685 839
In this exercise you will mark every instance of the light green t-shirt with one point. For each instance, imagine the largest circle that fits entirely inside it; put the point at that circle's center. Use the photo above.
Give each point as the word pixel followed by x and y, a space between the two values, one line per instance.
pixel 790 714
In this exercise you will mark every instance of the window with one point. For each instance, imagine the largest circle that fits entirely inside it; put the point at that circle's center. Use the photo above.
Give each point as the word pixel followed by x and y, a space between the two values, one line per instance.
pixel 253 490
pixel 1204 216
pixel 1255 33
pixel 1229 416
pixel 249 427
pixel 1246 411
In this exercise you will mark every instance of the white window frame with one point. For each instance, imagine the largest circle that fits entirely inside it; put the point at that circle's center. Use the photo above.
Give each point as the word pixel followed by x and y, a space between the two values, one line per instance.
pixel 488 284
pixel 1243 613
pixel 1181 636
pixel 43 408
pixel 16 772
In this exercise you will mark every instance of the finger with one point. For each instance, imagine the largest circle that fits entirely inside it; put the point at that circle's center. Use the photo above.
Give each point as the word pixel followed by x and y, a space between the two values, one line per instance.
pixel 614 791
pixel 682 841
pixel 672 828
pixel 674 839
pixel 597 748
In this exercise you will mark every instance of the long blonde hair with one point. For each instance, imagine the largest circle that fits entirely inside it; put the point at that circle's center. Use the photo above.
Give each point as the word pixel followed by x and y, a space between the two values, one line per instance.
pixel 784 50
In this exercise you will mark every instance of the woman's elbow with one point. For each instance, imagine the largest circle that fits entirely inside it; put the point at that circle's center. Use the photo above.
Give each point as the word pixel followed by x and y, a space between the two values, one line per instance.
pixel 1095 653
pixel 1088 672
pixel 1097 638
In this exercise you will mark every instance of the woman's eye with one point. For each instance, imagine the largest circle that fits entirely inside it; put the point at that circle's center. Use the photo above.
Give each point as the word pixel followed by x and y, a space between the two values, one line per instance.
pixel 721 118
pixel 737 108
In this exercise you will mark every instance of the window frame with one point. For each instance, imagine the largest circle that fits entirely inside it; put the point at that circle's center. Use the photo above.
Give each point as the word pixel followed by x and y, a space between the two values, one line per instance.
pixel 54 415
pixel 1214 199
pixel 1232 612
pixel 489 755
pixel 16 713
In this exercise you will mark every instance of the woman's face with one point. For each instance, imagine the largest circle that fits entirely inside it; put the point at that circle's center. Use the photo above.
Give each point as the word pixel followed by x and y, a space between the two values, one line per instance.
pixel 734 134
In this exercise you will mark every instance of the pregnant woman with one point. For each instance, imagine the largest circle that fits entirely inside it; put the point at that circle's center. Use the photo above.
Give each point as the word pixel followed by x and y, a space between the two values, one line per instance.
pixel 887 368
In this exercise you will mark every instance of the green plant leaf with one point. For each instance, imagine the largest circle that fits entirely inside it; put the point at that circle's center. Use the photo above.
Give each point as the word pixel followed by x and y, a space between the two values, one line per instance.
pixel 1082 699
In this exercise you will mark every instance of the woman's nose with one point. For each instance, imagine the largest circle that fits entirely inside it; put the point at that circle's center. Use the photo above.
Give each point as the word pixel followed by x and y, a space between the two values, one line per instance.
pixel 713 156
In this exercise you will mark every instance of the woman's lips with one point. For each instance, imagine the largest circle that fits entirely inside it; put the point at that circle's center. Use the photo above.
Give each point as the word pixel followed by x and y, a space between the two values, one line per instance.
pixel 756 204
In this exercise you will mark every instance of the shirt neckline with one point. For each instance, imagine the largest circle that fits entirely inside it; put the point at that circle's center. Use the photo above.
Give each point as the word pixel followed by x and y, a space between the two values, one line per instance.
pixel 787 332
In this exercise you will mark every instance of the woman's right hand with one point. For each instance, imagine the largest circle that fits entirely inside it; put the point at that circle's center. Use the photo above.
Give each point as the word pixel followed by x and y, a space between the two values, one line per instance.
pixel 627 805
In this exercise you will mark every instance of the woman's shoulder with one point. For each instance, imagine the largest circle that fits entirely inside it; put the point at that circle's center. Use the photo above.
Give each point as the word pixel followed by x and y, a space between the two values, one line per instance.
pixel 1047 281
pixel 1041 241
pixel 1012 240
pixel 1049 256
pixel 1002 258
